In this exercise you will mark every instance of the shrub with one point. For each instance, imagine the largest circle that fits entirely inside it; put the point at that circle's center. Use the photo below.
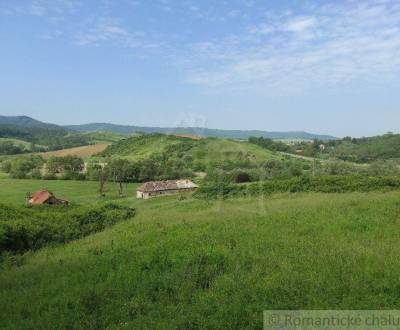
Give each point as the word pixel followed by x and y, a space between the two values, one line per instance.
pixel 6 166
pixel 241 177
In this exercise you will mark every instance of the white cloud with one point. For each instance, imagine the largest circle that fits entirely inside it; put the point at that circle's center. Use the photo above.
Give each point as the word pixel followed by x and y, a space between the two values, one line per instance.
pixel 300 24
pixel 110 30
pixel 324 46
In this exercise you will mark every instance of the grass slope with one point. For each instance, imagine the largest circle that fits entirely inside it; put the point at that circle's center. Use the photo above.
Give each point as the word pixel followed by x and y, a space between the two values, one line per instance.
pixel 193 264
pixel 203 150
pixel 102 137
pixel 84 151
pixel 17 142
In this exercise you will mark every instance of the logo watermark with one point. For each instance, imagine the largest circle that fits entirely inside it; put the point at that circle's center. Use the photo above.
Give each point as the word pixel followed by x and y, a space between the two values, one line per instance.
pixel 331 319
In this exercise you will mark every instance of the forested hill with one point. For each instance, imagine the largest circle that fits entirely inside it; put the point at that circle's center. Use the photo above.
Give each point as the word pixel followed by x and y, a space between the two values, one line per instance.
pixel 52 138
pixel 206 132
pixel 28 122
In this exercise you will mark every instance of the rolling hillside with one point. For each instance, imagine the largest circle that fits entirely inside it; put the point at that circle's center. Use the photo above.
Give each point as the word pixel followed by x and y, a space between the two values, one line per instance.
pixel 202 150
pixel 102 137
pixel 84 151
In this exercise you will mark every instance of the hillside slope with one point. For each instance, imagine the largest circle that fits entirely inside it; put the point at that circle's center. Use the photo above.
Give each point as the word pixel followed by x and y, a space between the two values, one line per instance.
pixel 83 151
pixel 190 264
pixel 203 150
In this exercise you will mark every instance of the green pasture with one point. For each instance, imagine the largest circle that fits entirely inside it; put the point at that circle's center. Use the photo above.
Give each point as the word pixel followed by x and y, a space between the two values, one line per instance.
pixel 13 191
pixel 184 263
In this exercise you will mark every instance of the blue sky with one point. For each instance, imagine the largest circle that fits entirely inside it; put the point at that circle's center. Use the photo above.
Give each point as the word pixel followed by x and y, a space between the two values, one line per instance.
pixel 321 66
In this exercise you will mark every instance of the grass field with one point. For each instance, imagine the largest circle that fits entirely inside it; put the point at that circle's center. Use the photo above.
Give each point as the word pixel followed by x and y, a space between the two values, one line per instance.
pixel 13 191
pixel 195 264
pixel 103 137
pixel 85 151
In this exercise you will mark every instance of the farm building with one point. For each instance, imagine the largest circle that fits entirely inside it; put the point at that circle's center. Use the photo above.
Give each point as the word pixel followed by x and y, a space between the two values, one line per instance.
pixel 43 196
pixel 169 187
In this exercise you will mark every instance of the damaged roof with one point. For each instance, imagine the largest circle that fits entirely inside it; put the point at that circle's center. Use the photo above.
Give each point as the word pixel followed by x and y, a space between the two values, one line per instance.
pixel 40 196
pixel 166 185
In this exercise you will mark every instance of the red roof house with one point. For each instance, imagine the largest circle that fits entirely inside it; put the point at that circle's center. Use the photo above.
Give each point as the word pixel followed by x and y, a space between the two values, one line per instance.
pixel 44 196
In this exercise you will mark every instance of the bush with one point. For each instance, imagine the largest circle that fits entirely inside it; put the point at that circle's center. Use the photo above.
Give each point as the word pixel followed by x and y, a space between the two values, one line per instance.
pixel 6 166
pixel 241 177
pixel 36 174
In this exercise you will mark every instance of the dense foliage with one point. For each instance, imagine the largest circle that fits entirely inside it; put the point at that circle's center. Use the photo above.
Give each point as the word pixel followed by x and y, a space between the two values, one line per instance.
pixel 358 150
pixel 325 184
pixel 365 149
pixel 269 144
pixel 10 148
pixel 70 167
pixel 23 228
pixel 24 167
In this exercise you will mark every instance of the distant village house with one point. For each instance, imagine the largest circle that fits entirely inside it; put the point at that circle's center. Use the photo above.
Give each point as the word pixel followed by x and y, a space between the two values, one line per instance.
pixel 43 196
pixel 169 187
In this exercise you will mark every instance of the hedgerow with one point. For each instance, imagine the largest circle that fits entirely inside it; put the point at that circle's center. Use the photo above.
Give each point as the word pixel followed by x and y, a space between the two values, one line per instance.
pixel 325 184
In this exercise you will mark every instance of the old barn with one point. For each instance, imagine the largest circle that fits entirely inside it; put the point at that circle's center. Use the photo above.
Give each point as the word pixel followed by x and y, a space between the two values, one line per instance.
pixel 168 187
pixel 44 196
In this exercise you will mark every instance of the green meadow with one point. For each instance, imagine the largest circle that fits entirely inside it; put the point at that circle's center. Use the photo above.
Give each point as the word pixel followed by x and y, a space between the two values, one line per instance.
pixel 187 263
pixel 13 191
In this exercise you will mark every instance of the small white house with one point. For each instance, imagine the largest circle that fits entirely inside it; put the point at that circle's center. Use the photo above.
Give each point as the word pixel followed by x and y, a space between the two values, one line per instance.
pixel 168 187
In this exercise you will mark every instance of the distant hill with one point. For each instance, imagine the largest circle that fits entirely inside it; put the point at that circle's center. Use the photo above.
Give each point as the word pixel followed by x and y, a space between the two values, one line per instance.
pixel 50 136
pixel 206 132
pixel 27 122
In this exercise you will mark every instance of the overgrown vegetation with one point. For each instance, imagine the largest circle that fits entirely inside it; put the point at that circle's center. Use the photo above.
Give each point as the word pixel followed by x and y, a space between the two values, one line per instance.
pixel 269 144
pixel 367 149
pixel 30 228
pixel 325 184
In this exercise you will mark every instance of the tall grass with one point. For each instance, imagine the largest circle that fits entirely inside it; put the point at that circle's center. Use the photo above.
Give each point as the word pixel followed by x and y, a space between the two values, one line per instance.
pixel 198 264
